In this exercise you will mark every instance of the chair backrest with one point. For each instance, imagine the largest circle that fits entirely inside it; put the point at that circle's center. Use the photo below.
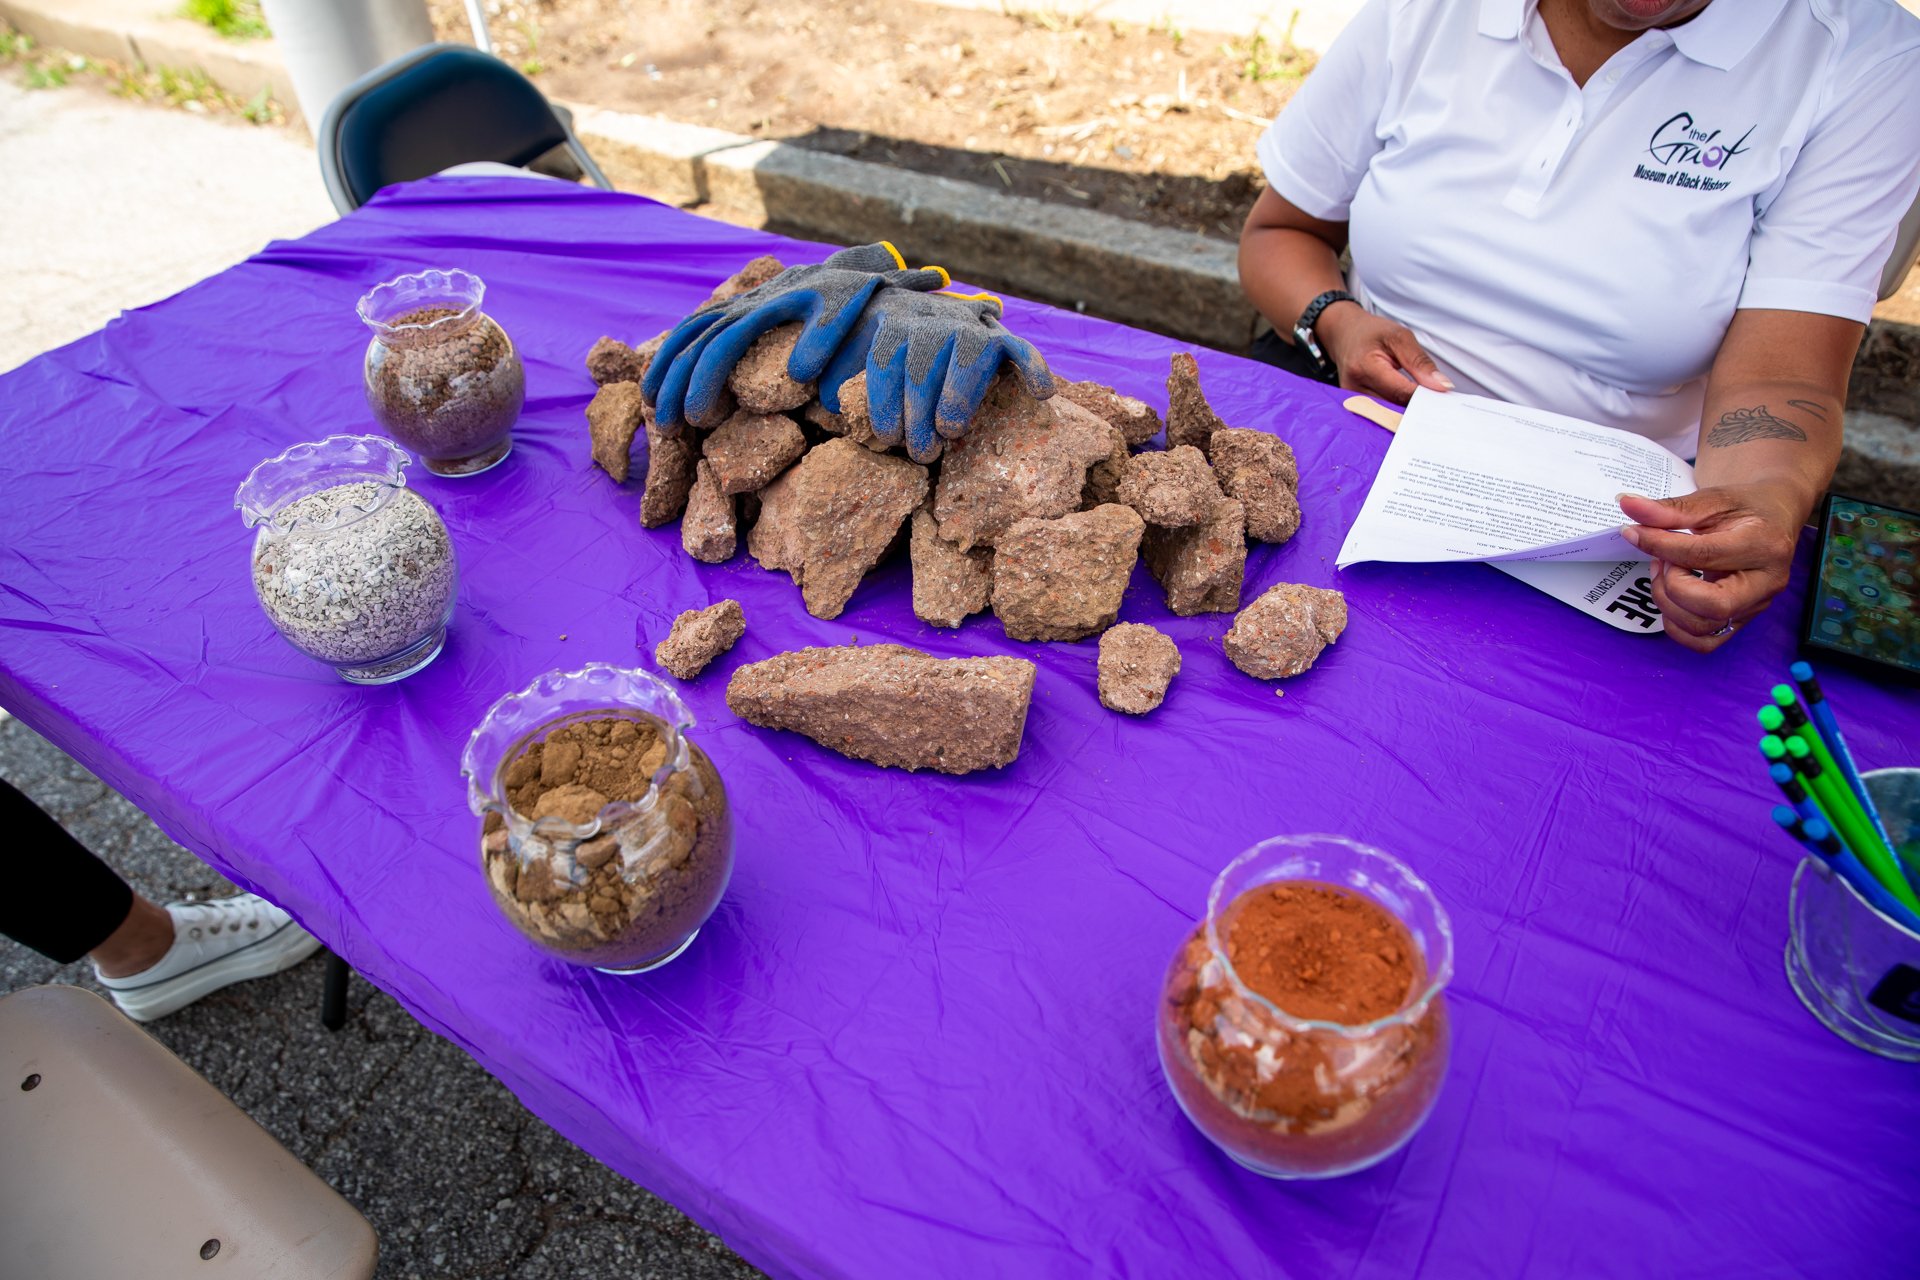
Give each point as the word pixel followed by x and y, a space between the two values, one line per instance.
pixel 1906 252
pixel 438 106
pixel 117 1159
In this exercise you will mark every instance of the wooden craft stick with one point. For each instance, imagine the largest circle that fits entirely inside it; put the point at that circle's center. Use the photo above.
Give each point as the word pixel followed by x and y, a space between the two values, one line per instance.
pixel 1373 411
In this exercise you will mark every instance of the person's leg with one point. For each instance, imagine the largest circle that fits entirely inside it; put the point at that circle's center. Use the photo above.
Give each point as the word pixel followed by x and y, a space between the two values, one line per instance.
pixel 1271 348
pixel 64 902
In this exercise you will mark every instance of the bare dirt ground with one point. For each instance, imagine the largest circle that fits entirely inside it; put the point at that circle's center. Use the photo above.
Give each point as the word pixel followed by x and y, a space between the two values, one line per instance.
pixel 1150 123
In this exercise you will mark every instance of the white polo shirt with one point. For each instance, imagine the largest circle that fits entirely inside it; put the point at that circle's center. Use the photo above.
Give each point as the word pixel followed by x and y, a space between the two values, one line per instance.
pixel 1584 249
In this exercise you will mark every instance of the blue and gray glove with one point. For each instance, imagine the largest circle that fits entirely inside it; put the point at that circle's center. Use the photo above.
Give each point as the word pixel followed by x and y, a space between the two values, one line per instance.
pixel 685 382
pixel 929 359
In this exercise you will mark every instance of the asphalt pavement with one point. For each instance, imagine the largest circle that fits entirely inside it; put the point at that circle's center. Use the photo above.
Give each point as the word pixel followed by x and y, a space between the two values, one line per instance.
pixel 107 205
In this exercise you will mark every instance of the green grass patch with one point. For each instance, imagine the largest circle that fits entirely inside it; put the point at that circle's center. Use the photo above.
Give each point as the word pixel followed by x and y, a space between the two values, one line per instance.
pixel 233 19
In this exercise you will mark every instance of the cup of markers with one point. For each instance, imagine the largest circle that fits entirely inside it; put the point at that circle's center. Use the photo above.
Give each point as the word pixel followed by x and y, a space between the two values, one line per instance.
pixel 1853 939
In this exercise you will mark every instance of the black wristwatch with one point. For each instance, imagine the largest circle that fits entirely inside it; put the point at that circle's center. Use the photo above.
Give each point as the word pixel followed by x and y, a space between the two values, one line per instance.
pixel 1303 328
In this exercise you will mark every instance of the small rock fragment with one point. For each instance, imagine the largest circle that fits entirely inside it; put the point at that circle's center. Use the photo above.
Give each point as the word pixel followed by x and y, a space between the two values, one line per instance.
pixel 1064 578
pixel 570 803
pixel 1104 476
pixel 707 530
pixel 1137 663
pixel 1282 632
pixel 614 417
pixel 698 637
pixel 752 276
pixel 749 450
pixel 1135 418
pixel 1258 470
pixel 854 422
pixel 1189 418
pixel 949 585
pixel 1022 458
pixel 670 462
pixel 1201 567
pixel 1172 489
pixel 832 517
pixel 891 705
pixel 611 360
pixel 759 379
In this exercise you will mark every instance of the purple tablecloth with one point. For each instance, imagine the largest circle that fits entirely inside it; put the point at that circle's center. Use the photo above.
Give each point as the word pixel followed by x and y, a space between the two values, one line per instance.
pixel 915 1039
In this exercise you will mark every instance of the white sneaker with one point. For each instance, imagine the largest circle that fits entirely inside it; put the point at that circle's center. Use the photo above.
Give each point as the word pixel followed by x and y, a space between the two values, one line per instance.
pixel 215 944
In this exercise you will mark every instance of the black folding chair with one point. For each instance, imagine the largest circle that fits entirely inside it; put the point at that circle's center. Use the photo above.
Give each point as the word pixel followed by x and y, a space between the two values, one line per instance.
pixel 438 106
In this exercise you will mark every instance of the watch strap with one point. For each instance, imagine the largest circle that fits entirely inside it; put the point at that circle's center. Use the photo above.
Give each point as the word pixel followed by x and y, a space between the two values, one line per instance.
pixel 1311 316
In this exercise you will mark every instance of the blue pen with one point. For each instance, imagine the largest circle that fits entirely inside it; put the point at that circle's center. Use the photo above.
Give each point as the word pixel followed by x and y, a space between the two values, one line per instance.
pixel 1829 728
pixel 1818 838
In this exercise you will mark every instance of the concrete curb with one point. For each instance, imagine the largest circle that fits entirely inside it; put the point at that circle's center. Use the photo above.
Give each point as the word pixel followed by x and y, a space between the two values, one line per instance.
pixel 133 32
pixel 1171 281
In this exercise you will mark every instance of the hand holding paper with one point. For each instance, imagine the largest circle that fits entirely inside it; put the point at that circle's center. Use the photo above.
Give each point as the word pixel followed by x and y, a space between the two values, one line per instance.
pixel 1740 537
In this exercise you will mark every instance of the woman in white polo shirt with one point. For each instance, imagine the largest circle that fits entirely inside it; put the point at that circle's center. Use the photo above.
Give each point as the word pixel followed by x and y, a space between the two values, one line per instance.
pixel 1663 215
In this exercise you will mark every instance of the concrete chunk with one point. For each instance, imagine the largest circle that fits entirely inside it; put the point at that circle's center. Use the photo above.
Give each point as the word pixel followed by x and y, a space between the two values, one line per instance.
pixel 1201 567
pixel 611 360
pixel 1190 420
pixel 1063 579
pixel 760 381
pixel 749 450
pixel 1259 471
pixel 1173 489
pixel 832 517
pixel 709 530
pixel 1285 630
pixel 1136 665
pixel 670 462
pixel 1136 419
pixel 756 273
pixel 1021 459
pixel 698 637
pixel 614 417
pixel 949 585
pixel 891 705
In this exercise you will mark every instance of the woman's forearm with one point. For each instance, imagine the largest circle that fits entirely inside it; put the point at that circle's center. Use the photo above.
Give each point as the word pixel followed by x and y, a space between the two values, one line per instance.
pixel 1783 435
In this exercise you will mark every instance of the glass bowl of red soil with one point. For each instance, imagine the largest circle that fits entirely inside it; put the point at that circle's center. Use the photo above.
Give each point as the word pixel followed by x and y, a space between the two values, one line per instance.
pixel 442 378
pixel 1302 1026
pixel 605 836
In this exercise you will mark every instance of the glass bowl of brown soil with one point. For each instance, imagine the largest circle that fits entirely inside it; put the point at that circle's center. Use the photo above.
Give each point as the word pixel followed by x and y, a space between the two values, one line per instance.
pixel 605 831
pixel 1302 1026
pixel 442 378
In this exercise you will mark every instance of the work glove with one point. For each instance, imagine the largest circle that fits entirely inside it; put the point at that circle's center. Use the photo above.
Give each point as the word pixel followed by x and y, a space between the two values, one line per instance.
pixel 929 359
pixel 686 379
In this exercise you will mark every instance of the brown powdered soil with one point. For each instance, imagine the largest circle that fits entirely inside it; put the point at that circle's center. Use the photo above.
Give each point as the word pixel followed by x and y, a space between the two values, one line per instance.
pixel 1150 123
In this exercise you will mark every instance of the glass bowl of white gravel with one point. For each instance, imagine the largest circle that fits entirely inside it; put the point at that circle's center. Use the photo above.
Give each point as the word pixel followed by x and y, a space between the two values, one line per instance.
pixel 353 568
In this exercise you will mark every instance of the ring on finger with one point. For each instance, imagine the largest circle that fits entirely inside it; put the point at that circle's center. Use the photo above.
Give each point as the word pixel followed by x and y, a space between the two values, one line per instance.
pixel 1727 628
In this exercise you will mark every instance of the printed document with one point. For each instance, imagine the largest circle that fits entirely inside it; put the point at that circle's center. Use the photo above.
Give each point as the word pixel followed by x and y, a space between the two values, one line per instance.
pixel 1468 478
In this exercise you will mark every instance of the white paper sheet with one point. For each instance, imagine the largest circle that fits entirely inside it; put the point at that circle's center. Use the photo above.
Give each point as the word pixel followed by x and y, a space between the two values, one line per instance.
pixel 1468 478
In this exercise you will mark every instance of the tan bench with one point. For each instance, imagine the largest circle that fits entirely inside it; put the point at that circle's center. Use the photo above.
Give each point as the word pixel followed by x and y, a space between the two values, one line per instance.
pixel 117 1159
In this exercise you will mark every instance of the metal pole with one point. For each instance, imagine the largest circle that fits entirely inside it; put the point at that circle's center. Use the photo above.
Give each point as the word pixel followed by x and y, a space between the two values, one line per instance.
pixel 477 19
pixel 328 44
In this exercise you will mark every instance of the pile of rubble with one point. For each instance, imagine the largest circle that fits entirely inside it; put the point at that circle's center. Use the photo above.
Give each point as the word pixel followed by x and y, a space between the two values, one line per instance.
pixel 1038 513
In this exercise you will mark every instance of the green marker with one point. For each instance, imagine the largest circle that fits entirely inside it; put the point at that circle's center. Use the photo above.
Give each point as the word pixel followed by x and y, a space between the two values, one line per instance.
pixel 1840 805
pixel 1787 705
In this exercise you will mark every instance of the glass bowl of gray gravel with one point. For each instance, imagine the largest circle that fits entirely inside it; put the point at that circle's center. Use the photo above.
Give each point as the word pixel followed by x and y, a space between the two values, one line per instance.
pixel 442 378
pixel 353 568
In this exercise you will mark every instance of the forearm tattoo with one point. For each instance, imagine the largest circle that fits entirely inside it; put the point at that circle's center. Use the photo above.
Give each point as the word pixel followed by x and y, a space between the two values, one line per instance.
pixel 1738 426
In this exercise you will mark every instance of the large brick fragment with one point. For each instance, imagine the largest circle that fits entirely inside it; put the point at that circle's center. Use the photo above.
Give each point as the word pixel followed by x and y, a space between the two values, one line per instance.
pixel 709 530
pixel 760 381
pixel 614 417
pixel 1064 578
pixel 1258 469
pixel 749 450
pixel 1172 489
pixel 670 462
pixel 1104 476
pixel 1136 665
pixel 1135 418
pixel 832 517
pixel 949 585
pixel 892 705
pixel 611 360
pixel 756 273
pixel 1021 459
pixel 1201 567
